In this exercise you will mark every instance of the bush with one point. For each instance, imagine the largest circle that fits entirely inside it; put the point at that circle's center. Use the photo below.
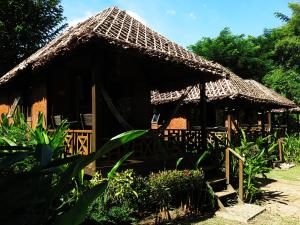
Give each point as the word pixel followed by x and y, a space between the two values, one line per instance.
pixel 130 189
pixel 259 155
pixel 291 148
pixel 129 196
pixel 99 213
pixel 173 188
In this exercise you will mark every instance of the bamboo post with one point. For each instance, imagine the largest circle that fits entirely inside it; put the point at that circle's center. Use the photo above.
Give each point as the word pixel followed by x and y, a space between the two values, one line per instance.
pixel 227 165
pixel 241 179
pixel 203 117
pixel 280 149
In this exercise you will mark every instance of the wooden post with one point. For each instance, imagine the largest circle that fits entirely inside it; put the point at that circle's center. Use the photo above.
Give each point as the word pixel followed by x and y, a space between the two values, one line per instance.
pixel 203 117
pixel 92 167
pixel 263 121
pixel 269 117
pixel 280 149
pixel 227 165
pixel 241 179
pixel 228 125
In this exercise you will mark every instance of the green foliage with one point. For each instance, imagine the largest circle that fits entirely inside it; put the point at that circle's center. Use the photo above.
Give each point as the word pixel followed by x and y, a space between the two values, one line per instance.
pixel 173 188
pixel 128 188
pixel 138 196
pixel 286 82
pixel 100 214
pixel 291 148
pixel 25 26
pixel 272 57
pixel 51 190
pixel 258 156
pixel 239 53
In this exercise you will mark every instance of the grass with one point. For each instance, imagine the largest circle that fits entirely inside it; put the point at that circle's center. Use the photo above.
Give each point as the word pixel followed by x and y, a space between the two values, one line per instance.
pixel 292 174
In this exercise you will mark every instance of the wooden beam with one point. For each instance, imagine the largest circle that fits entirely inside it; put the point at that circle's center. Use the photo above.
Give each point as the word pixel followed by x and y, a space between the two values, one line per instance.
pixel 91 168
pixel 203 108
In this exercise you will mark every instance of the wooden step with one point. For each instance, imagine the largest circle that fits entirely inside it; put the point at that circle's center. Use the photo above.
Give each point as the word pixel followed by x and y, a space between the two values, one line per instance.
pixel 224 193
pixel 216 180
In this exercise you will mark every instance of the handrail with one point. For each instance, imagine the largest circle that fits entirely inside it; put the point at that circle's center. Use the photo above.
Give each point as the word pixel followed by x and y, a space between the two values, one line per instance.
pixel 237 154
pixel 241 169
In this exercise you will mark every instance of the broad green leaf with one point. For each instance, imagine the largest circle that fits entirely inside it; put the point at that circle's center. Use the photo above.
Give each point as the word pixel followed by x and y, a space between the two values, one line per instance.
pixel 113 171
pixel 178 162
pixel 43 154
pixel 12 159
pixel 201 158
pixel 83 161
pixel 77 213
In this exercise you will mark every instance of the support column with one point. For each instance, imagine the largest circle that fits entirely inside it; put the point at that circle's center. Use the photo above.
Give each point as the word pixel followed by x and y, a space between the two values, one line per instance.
pixel 269 117
pixel 92 167
pixel 228 126
pixel 263 122
pixel 203 117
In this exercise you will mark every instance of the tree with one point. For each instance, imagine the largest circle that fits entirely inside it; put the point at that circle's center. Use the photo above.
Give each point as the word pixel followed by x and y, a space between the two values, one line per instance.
pixel 25 26
pixel 239 53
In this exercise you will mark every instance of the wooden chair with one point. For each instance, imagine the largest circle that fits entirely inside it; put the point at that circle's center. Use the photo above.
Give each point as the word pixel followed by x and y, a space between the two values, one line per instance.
pixel 56 120
pixel 86 120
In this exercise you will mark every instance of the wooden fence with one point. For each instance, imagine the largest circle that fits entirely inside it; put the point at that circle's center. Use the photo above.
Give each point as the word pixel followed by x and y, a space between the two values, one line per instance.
pixel 78 142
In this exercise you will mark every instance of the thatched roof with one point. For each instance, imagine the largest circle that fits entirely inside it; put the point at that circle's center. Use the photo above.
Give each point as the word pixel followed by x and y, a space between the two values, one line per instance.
pixel 295 110
pixel 116 27
pixel 283 101
pixel 231 88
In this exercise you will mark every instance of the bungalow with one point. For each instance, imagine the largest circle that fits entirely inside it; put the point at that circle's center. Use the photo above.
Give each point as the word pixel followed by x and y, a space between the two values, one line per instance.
pixel 98 74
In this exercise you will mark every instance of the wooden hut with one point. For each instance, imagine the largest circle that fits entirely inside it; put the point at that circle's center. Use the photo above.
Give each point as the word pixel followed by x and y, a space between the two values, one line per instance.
pixel 98 74
pixel 241 99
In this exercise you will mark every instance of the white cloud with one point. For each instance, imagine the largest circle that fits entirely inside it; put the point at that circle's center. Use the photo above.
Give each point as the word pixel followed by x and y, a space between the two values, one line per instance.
pixel 75 21
pixel 192 16
pixel 137 17
pixel 171 12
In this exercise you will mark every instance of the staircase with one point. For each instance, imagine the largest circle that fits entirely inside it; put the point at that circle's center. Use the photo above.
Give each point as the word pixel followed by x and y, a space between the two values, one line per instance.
pixel 223 192
pixel 221 187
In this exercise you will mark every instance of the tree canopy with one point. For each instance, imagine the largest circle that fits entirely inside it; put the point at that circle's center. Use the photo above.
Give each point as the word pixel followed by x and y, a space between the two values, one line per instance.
pixel 273 57
pixel 25 26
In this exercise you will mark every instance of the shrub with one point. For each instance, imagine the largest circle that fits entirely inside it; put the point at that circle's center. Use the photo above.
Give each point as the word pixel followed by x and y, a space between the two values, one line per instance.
pixel 173 188
pixel 291 148
pixel 130 189
pixel 99 213
pixel 258 156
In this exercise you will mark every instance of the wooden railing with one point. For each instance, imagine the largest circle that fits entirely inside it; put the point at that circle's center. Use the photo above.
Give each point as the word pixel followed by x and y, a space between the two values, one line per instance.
pixel 187 140
pixel 241 169
pixel 78 142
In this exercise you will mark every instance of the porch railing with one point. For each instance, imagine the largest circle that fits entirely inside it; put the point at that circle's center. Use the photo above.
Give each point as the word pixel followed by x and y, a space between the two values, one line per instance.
pixel 78 142
pixel 169 141
pixel 241 169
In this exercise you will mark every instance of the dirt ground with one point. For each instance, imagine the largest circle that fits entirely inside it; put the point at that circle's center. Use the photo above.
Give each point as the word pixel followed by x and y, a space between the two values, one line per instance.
pixel 281 199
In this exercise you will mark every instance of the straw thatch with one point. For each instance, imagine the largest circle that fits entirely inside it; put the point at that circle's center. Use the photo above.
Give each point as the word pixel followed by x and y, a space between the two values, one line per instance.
pixel 226 89
pixel 295 110
pixel 283 101
pixel 116 27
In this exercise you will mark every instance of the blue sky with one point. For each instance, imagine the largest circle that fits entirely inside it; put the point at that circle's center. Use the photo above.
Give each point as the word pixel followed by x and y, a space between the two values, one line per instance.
pixel 186 21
